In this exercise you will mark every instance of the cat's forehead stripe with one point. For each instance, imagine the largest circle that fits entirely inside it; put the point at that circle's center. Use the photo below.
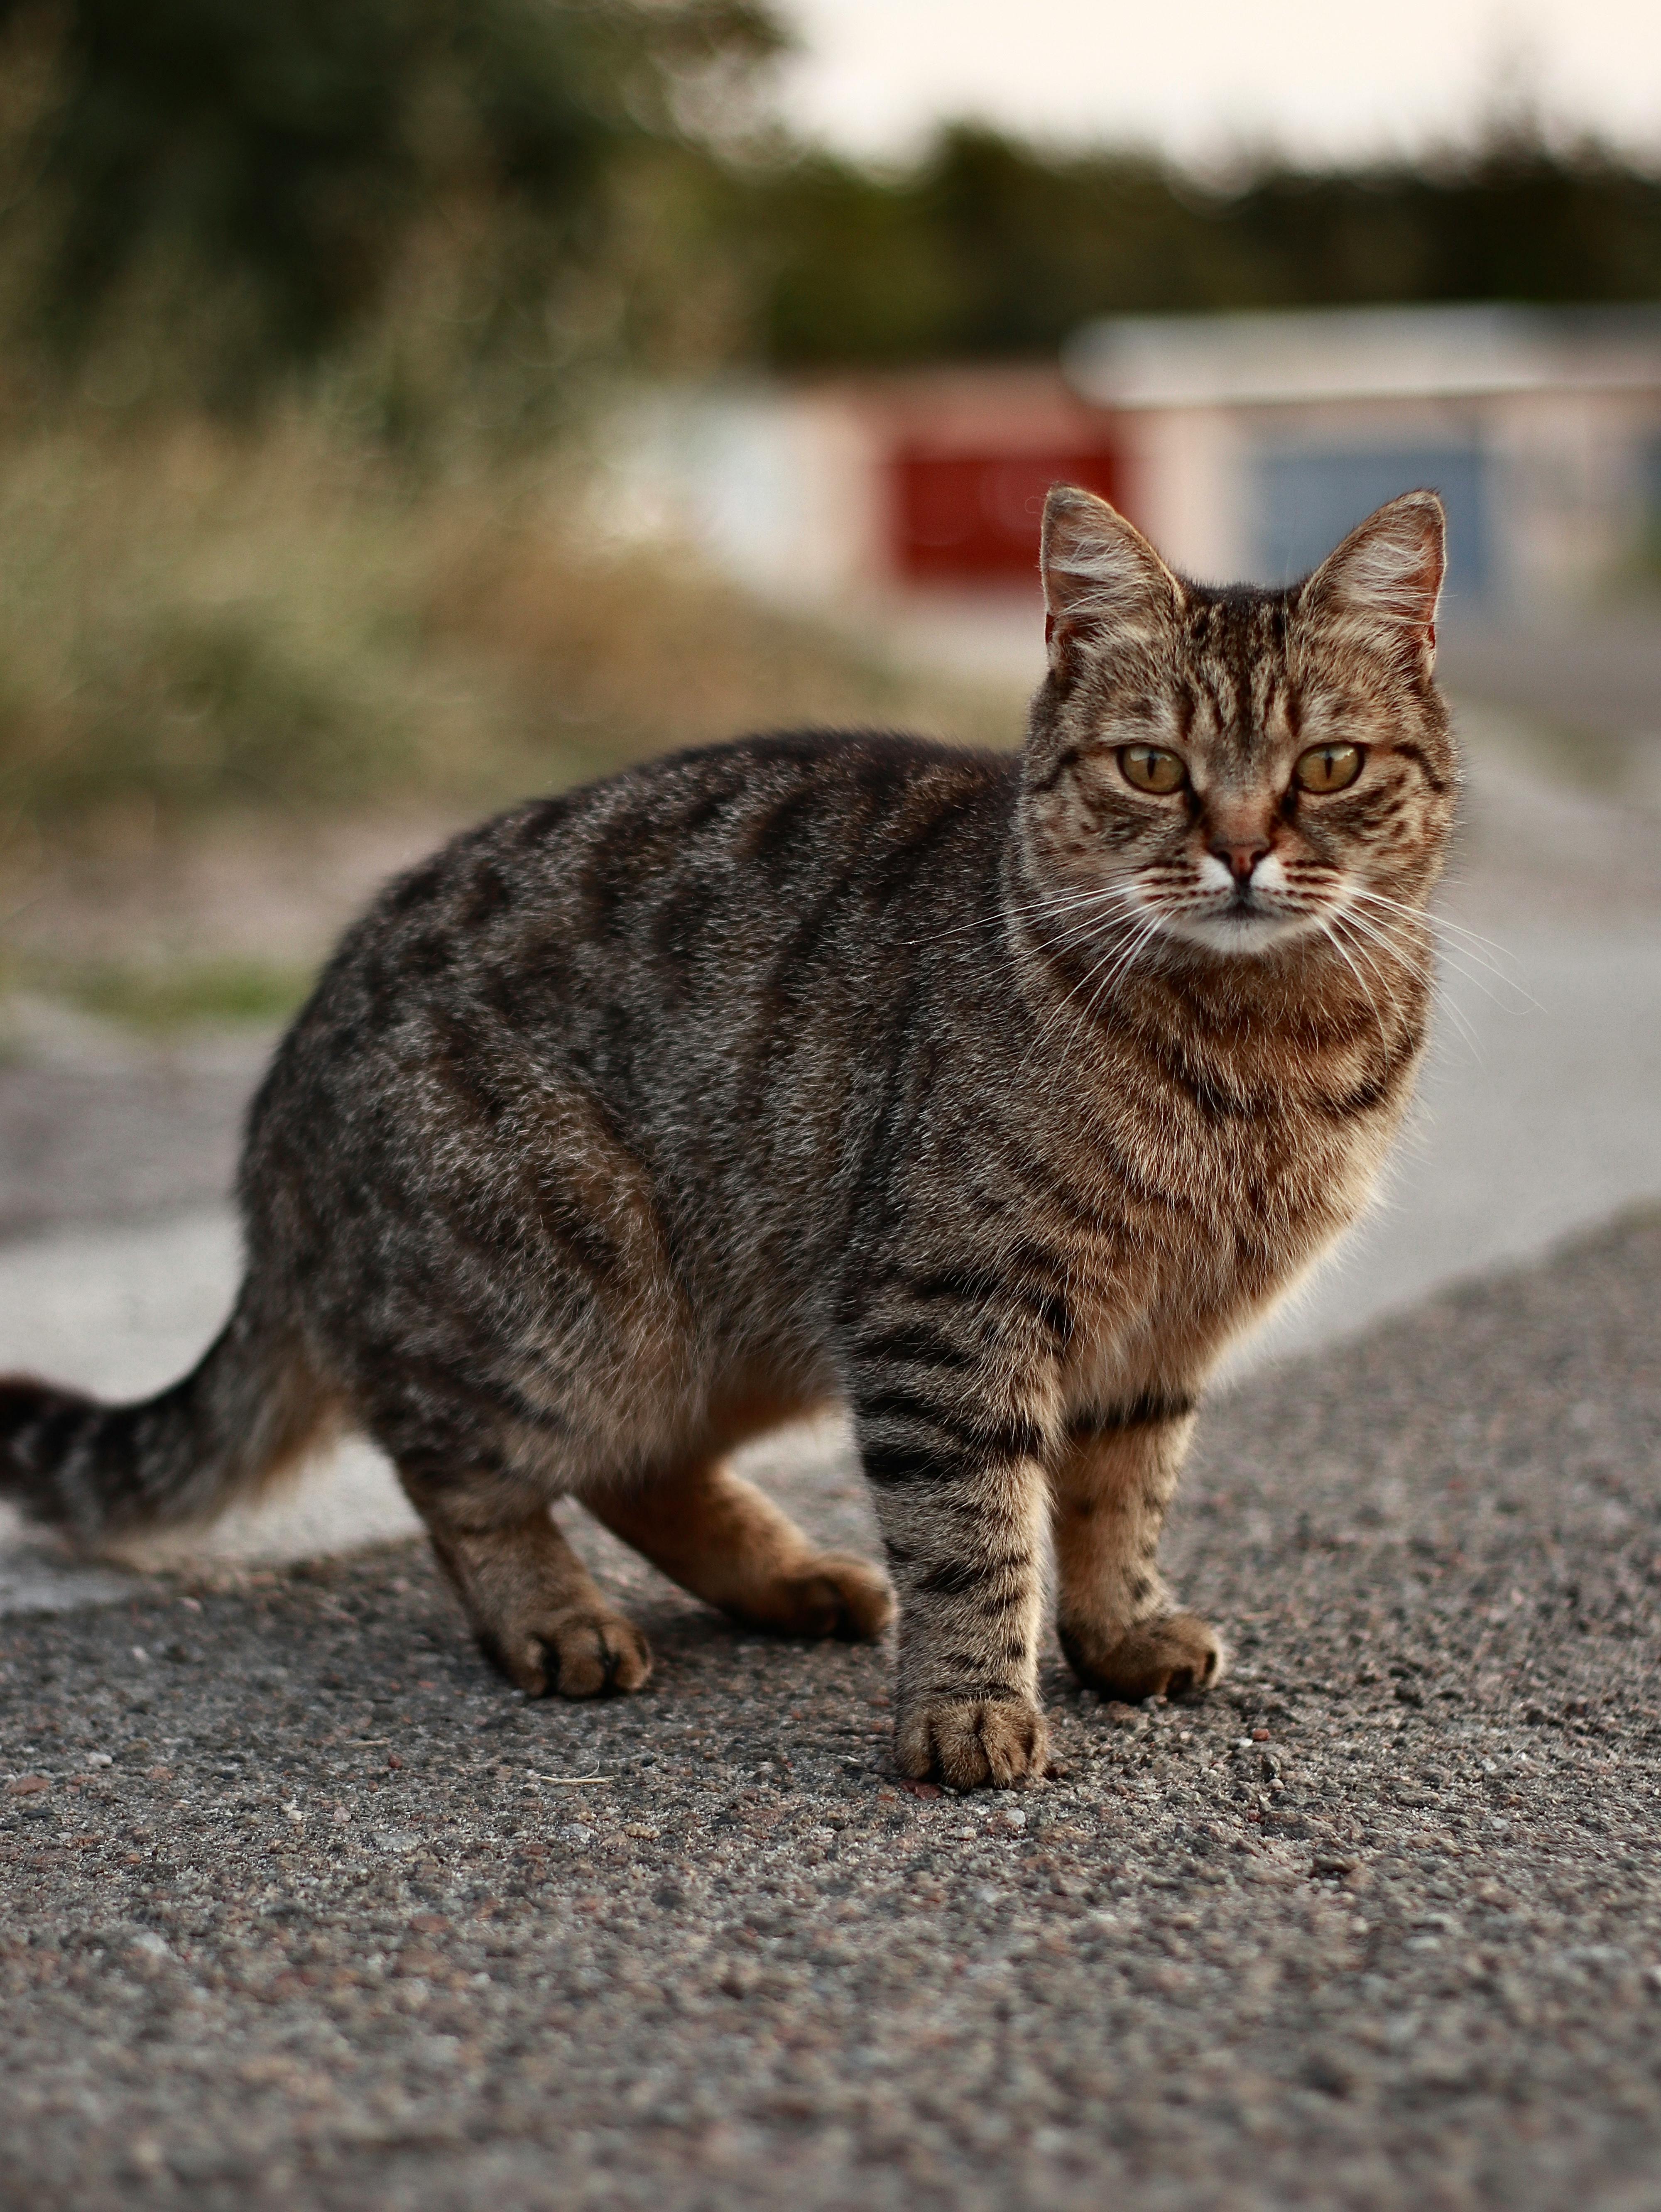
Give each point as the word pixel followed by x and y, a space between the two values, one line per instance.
pixel 1230 670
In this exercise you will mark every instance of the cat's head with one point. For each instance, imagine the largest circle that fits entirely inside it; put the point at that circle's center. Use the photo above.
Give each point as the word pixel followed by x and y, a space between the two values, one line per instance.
pixel 1237 769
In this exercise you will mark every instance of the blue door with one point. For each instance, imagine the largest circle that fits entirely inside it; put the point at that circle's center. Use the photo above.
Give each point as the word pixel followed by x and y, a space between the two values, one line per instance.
pixel 1309 498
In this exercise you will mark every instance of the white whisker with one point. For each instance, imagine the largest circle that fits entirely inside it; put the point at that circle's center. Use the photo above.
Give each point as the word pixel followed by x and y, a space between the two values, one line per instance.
pixel 1450 959
pixel 1329 929
pixel 1466 943
pixel 1103 897
pixel 1376 936
pixel 1103 988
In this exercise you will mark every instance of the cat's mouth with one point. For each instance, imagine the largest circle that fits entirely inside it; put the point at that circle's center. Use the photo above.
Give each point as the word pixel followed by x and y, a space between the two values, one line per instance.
pixel 1244 919
pixel 1232 913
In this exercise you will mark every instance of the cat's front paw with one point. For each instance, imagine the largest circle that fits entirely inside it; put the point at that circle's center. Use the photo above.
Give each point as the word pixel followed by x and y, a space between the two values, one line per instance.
pixel 1157 1658
pixel 972 1743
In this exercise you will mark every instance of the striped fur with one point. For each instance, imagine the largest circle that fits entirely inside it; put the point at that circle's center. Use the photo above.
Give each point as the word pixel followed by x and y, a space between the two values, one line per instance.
pixel 976 1093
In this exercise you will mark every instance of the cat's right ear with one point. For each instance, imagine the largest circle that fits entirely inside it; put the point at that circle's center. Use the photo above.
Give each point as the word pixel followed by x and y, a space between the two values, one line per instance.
pixel 1101 577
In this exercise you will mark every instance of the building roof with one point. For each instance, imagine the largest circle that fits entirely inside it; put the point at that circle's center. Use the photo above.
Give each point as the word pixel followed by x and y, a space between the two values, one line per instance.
pixel 1141 361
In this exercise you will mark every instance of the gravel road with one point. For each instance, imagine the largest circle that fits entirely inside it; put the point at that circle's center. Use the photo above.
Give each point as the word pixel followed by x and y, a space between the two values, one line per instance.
pixel 302 1908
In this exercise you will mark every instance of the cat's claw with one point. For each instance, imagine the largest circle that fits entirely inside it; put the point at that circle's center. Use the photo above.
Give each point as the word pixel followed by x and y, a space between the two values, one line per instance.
pixel 1172 1657
pixel 579 1654
pixel 973 1743
pixel 839 1596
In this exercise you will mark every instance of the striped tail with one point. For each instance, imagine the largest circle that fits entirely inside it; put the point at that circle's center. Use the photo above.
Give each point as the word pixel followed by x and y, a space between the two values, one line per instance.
pixel 248 1409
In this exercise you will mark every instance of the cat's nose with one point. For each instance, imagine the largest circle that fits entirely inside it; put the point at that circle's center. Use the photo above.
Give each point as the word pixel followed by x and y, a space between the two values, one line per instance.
pixel 1241 856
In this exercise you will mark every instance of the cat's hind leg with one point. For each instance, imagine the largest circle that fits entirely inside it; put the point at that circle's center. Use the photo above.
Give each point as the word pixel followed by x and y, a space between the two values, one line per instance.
pixel 1110 1488
pixel 719 1537
pixel 534 1608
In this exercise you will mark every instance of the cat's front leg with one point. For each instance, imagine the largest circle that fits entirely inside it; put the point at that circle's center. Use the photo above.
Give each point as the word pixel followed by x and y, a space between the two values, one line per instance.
pixel 1111 1487
pixel 960 1493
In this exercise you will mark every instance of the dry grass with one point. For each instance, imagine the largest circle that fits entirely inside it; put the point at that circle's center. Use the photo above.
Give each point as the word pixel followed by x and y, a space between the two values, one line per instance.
pixel 190 623
pixel 238 675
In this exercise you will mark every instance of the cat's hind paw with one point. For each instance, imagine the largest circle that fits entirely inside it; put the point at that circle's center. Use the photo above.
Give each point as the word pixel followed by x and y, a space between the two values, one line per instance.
pixel 1170 1658
pixel 834 1596
pixel 579 1654
pixel 972 1743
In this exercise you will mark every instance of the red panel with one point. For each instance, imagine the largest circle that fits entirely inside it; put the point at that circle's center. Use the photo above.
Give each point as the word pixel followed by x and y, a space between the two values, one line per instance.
pixel 975 517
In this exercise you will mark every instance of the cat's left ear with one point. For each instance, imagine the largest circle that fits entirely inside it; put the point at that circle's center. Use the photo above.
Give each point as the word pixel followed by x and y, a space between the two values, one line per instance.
pixel 1101 577
pixel 1383 583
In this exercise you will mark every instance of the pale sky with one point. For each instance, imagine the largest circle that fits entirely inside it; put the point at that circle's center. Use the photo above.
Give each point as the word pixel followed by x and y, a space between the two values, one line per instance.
pixel 1204 79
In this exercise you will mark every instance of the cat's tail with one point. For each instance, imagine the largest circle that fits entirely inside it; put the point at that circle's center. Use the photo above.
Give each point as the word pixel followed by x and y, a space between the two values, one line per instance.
pixel 244 1411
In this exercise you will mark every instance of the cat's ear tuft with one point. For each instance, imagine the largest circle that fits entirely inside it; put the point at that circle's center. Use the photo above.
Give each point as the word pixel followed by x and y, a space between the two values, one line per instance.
pixel 1382 584
pixel 1101 577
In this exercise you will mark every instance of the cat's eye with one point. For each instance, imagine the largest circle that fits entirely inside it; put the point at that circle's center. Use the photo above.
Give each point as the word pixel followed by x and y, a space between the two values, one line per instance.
pixel 1151 768
pixel 1328 768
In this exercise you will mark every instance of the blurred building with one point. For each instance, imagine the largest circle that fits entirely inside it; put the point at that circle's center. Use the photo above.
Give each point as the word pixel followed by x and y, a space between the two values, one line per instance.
pixel 833 488
pixel 1246 445
pixel 1249 444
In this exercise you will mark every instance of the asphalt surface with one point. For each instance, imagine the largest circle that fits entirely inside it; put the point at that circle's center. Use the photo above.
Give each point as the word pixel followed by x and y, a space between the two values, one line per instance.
pixel 302 1907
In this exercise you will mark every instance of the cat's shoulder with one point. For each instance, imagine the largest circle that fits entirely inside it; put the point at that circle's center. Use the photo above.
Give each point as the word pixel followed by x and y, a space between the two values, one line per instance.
pixel 682 792
pixel 791 782
pixel 872 760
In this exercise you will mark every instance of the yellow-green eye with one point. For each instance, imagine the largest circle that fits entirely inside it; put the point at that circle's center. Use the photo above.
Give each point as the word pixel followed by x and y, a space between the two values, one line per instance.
pixel 1150 767
pixel 1329 767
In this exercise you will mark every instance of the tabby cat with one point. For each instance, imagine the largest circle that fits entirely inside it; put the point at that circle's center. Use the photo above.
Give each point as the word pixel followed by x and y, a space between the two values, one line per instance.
pixel 990 1097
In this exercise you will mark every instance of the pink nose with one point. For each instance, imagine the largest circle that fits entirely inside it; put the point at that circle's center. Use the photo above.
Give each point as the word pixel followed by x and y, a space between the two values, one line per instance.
pixel 1242 858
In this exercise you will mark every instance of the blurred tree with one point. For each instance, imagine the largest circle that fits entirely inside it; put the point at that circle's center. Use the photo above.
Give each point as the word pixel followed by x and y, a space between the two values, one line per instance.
pixel 995 247
pixel 267 174
pixel 1515 222
pixel 455 204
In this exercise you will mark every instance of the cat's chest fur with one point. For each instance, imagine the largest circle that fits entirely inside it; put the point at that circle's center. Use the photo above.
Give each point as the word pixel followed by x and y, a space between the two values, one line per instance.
pixel 1209 1216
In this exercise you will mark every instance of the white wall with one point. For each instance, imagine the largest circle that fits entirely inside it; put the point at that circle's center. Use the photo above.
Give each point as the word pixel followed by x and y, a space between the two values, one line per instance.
pixel 779 490
pixel 1187 484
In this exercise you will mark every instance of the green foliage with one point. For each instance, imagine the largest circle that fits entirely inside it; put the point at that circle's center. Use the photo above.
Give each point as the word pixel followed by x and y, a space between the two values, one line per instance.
pixel 456 207
pixel 1516 222
pixel 163 1001
pixel 291 296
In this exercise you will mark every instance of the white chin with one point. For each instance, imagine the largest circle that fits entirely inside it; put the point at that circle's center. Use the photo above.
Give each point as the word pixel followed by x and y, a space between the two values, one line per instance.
pixel 1242 932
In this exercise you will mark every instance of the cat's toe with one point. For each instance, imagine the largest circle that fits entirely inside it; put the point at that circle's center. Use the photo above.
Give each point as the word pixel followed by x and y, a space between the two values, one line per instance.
pixel 973 1743
pixel 589 1653
pixel 579 1654
pixel 843 1597
pixel 1173 1657
pixel 834 1594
